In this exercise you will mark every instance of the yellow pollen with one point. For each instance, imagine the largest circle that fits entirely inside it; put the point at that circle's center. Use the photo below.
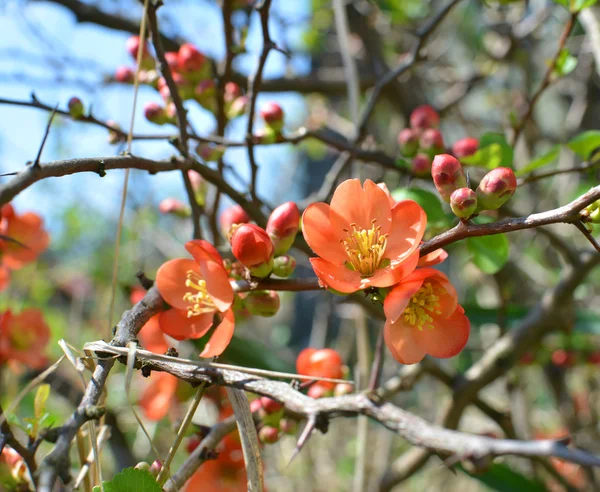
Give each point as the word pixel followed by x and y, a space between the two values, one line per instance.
pixel 199 300
pixel 365 248
pixel 424 303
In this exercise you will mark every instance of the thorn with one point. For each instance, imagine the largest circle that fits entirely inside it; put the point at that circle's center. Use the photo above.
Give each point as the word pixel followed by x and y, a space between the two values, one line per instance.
pixel 302 440
pixel 36 163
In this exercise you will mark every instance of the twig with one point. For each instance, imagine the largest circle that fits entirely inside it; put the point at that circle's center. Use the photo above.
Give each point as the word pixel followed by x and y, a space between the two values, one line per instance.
pixel 36 163
pixel 587 234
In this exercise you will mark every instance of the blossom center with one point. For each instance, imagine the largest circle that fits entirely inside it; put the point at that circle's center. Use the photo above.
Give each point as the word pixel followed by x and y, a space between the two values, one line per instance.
pixel 364 248
pixel 22 339
pixel 199 300
pixel 421 306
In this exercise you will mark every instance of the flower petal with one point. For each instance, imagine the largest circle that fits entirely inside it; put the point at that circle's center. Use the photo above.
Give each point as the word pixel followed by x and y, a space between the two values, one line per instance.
pixel 401 342
pixel 337 277
pixel 394 273
pixel 152 336
pixel 176 324
pixel 433 258
pixel 408 226
pixel 221 336
pixel 447 337
pixel 398 298
pixel 170 281
pixel 158 396
pixel 199 248
pixel 320 234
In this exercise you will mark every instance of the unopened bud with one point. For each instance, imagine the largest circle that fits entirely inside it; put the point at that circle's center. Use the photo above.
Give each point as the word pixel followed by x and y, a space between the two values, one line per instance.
pixel 284 266
pixel 273 116
pixel 232 92
pixel 448 175
pixel 172 58
pixel 318 390
pixel 253 248
pixel 155 113
pixel 424 117
pixel 125 75
pixel 288 426
pixel 269 405
pixel 174 207
pixel 113 136
pixel 268 434
pixel 266 136
pixel 465 147
pixel 262 303
pixel 142 465
pixel 463 202
pixel 563 358
pixel 255 405
pixel 75 108
pixel 420 165
pixel 342 389
pixel 237 107
pixel 282 226
pixel 408 140
pixel 190 61
pixel 210 152
pixel 133 45
pixel 431 142
pixel 496 188
pixel 155 467
pixel 204 93
pixel 231 216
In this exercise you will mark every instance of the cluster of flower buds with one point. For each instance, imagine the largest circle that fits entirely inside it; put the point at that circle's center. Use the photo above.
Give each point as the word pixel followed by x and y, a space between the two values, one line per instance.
pixel 422 140
pixel 273 116
pixel 273 420
pixel 323 363
pixel 153 469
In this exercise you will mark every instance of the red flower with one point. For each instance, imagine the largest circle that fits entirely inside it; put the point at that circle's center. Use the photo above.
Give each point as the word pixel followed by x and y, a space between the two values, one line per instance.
pixel 252 247
pixel 324 363
pixel 361 239
pixel 424 317
pixel 197 289
pixel 152 337
pixel 23 337
pixel 159 396
pixel 29 239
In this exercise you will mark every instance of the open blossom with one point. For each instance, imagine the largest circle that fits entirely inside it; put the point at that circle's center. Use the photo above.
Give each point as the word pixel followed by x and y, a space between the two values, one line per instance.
pixel 424 317
pixel 152 337
pixel 27 237
pixel 197 289
pixel 159 396
pixel 362 240
pixel 23 337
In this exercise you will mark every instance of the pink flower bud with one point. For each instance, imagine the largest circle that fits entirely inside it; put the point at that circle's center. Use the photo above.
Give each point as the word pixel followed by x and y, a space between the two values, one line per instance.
pixel 186 90
pixel 424 117
pixel 408 140
pixel 196 180
pixel 113 136
pixel 125 75
pixel 255 405
pixel 253 248
pixel 189 59
pixel 288 426
pixel 155 113
pixel 282 226
pixel 431 141
pixel 465 147
pixel 155 467
pixel 319 390
pixel 174 207
pixel 172 58
pixel 272 113
pixel 237 107
pixel 75 108
pixel 210 152
pixel 496 188
pixel 463 202
pixel 262 303
pixel 284 266
pixel 269 405
pixel 421 165
pixel 231 216
pixel 232 91
pixel 448 175
pixel 133 45
pixel 342 389
pixel 268 434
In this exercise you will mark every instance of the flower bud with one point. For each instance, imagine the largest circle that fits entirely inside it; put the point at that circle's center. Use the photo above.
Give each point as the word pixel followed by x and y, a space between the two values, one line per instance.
pixel 496 188
pixel 210 152
pixel 237 107
pixel 113 136
pixel 420 165
pixel 288 426
pixel 269 405
pixel 266 136
pixel 156 114
pixel 342 389
pixel 273 116
pixel 563 358
pixel 318 390
pixel 142 465
pixel 75 108
pixel 282 226
pixel 190 61
pixel 185 89
pixel 431 142
pixel 408 140
pixel 284 266
pixel 232 216
pixel 133 45
pixel 231 92
pixel 253 248
pixel 174 207
pixel 262 303
pixel 155 467
pixel 465 147
pixel 149 77
pixel 196 180
pixel 424 117
pixel 204 93
pixel 463 202
pixel 255 405
pixel 268 434
pixel 125 75
pixel 448 175
pixel 325 363
pixel 172 58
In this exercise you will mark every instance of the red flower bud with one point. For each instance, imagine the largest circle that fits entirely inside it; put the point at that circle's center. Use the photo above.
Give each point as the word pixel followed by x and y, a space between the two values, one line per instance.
pixel 172 58
pixel 262 303
pixel 75 108
pixel 253 248
pixel 255 405
pixel 272 113
pixel 133 45
pixel 463 202
pixel 189 59
pixel 231 216
pixel 288 426
pixel 284 266
pixel 421 165
pixel 319 390
pixel 563 358
pixel 269 405
pixel 173 206
pixel 431 141
pixel 155 113
pixel 324 363
pixel 464 147
pixel 496 188
pixel 155 467
pixel 125 75
pixel 210 152
pixel 408 140
pixel 232 92
pixel 448 175
pixel 424 117
pixel 268 434
pixel 283 225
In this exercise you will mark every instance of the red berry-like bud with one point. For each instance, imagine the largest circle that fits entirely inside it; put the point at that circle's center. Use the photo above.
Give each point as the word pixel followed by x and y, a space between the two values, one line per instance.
pixel 408 140
pixel 232 92
pixel 262 303
pixel 420 165
pixel 324 363
pixel 133 45
pixel 231 216
pixel 431 141
pixel 237 107
pixel 424 117
pixel 173 206
pixel 465 147
pixel 284 266
pixel 255 405
pixel 172 60
pixel 253 248
pixel 282 226
pixel 319 390
pixel 448 175
pixel 75 108
pixel 342 389
pixel 268 434
pixel 288 426
pixel 563 358
pixel 189 59
pixel 192 444
pixel 269 405
pixel 273 115
pixel 155 467
pixel 125 75
pixel 210 152
pixel 496 188
pixel 155 113
pixel 463 202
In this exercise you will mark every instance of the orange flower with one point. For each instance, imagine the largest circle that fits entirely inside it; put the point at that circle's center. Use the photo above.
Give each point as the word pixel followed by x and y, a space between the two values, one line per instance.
pixel 23 337
pixel 152 337
pixel 28 235
pixel 424 317
pixel 4 277
pixel 197 289
pixel 159 396
pixel 433 258
pixel 361 239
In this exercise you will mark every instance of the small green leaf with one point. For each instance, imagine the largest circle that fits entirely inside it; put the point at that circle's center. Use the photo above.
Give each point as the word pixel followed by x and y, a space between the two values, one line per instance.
pixel 131 480
pixel 501 478
pixel 494 151
pixel 541 161
pixel 578 5
pixel 489 253
pixel 584 143
pixel 564 3
pixel 428 200
pixel 565 63
pixel 402 163
pixel 41 396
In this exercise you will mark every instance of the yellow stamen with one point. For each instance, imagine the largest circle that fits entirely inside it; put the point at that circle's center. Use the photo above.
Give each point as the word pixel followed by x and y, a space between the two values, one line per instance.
pixel 200 302
pixel 365 248
pixel 424 303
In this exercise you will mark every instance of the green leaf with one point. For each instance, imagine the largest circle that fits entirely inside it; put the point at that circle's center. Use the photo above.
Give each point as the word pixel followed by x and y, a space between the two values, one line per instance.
pixel 494 151
pixel 584 143
pixel 429 201
pixel 402 163
pixel 131 480
pixel 565 63
pixel 489 253
pixel 541 161
pixel 501 478
pixel 41 396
